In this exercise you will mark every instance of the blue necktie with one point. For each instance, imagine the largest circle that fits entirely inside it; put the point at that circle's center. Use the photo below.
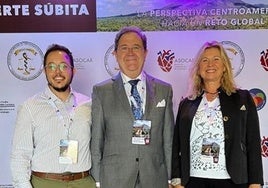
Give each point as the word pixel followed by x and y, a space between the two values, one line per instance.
pixel 136 108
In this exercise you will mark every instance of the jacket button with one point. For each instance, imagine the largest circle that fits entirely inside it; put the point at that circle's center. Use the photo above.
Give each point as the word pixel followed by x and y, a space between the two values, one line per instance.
pixel 137 159
pixel 225 118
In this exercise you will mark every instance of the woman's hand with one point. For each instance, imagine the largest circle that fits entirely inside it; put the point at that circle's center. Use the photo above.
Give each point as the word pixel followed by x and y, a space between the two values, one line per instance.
pixel 178 186
pixel 254 186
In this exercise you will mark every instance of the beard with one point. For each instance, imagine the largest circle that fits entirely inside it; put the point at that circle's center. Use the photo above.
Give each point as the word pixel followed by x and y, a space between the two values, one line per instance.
pixel 61 89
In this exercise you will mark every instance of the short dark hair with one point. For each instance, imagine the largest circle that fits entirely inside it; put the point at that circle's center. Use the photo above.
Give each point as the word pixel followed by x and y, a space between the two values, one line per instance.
pixel 129 29
pixel 57 47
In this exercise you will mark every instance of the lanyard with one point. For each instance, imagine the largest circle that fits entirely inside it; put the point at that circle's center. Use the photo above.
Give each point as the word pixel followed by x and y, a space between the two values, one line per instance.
pixel 61 117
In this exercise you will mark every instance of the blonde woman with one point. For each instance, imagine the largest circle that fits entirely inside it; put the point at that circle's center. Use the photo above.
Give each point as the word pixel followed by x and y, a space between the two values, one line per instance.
pixel 216 139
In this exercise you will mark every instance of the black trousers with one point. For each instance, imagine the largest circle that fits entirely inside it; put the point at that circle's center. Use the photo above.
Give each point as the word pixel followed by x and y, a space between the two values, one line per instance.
pixel 213 183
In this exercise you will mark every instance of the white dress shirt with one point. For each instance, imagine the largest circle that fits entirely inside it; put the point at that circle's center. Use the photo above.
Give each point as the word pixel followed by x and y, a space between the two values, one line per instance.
pixel 141 87
pixel 42 121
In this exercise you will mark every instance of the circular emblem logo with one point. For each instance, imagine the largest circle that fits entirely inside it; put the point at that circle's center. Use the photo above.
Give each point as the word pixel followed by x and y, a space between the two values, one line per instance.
pixel 25 61
pixel 259 97
pixel 110 63
pixel 236 56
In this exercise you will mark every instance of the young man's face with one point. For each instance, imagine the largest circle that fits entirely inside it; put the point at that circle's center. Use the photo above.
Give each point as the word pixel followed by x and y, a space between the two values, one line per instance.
pixel 58 70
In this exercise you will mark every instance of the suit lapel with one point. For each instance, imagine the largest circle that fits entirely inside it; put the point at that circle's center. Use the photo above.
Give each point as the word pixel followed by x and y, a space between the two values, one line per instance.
pixel 150 95
pixel 192 111
pixel 119 90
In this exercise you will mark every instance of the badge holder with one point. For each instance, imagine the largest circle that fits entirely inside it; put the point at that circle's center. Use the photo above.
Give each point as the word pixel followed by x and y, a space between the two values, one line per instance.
pixel 141 132
pixel 68 151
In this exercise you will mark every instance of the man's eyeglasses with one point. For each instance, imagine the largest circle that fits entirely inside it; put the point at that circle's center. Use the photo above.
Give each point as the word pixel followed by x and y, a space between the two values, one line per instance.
pixel 62 66
pixel 125 48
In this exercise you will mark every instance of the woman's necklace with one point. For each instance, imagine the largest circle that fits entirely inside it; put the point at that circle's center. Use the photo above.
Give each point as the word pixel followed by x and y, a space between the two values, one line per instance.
pixel 211 95
pixel 211 92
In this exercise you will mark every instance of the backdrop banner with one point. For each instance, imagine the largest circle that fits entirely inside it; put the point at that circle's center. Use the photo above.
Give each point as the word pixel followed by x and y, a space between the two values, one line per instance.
pixel 182 15
pixel 27 30
pixel 169 56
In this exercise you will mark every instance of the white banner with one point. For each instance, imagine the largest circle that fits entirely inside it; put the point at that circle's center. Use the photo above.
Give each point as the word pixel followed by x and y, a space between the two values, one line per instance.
pixel 170 54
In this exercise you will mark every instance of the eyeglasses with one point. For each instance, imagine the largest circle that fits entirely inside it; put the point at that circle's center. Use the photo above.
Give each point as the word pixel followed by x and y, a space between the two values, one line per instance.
pixel 62 66
pixel 125 49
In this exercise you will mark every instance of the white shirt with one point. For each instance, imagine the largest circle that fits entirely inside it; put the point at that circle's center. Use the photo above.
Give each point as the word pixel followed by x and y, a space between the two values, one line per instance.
pixel 141 87
pixel 39 129
pixel 207 134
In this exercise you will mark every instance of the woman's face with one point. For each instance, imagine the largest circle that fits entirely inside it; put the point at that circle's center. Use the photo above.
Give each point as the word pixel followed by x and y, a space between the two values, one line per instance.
pixel 211 66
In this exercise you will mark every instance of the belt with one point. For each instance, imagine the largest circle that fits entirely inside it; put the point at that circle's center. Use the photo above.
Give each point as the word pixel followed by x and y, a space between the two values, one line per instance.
pixel 68 176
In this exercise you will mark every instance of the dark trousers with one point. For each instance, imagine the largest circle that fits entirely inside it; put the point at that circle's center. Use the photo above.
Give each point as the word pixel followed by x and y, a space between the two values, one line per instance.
pixel 213 183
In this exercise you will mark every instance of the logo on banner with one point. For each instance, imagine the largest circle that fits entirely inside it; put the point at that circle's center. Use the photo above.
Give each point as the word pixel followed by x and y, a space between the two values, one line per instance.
pixel 81 62
pixel 236 56
pixel 165 60
pixel 259 98
pixel 264 146
pixel 110 63
pixel 264 59
pixel 25 61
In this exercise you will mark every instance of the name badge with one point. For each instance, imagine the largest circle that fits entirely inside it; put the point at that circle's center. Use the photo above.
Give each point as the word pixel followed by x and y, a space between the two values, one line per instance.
pixel 68 151
pixel 141 132
pixel 211 149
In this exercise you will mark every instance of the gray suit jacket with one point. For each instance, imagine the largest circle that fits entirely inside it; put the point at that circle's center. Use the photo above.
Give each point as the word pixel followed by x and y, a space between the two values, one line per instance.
pixel 116 162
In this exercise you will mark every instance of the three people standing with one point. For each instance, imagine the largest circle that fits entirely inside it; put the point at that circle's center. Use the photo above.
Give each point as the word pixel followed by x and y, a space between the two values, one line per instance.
pixel 216 141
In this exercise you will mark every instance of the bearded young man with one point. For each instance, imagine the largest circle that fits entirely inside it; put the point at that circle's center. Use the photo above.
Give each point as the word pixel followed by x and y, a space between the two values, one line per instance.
pixel 52 133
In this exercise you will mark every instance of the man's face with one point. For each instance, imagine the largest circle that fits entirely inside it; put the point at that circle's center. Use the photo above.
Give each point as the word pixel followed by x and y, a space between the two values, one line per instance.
pixel 58 70
pixel 130 54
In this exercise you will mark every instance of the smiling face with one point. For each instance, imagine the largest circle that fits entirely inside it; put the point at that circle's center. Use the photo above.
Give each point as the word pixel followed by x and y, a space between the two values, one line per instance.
pixel 211 66
pixel 59 72
pixel 130 54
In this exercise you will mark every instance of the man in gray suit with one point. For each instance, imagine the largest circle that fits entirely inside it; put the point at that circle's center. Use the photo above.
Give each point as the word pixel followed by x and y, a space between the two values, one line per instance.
pixel 132 149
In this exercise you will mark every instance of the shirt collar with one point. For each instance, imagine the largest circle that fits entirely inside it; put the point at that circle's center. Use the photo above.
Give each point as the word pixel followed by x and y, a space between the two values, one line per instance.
pixel 125 78
pixel 51 95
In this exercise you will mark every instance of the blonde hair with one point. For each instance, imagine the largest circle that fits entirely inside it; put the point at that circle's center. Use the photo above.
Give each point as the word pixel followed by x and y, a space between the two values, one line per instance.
pixel 196 83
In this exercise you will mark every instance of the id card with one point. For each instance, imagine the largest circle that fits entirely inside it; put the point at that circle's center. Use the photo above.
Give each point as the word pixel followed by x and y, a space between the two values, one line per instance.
pixel 211 149
pixel 141 132
pixel 68 151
